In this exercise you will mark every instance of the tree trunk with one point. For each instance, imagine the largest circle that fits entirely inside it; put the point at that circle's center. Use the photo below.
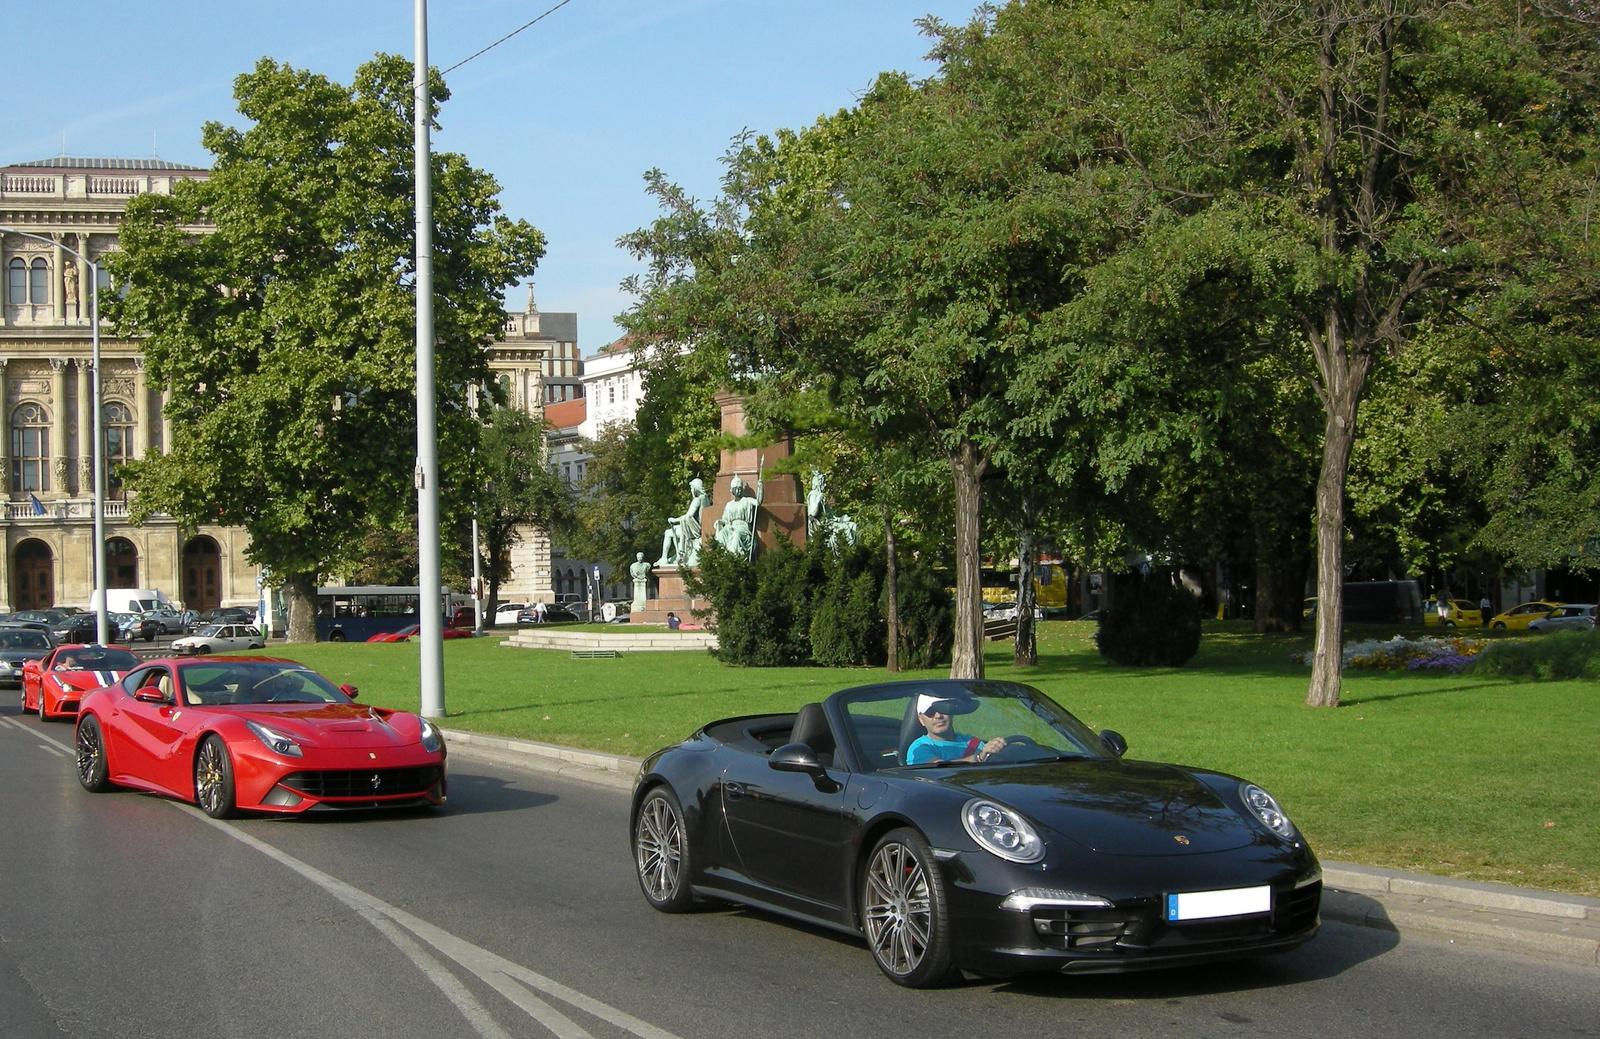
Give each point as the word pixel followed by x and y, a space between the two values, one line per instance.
pixel 1025 647
pixel 966 655
pixel 1339 433
pixel 300 598
pixel 891 592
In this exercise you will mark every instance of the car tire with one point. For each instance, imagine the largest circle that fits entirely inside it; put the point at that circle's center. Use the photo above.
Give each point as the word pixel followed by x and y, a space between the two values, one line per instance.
pixel 1499 625
pixel 42 716
pixel 258 645
pixel 904 911
pixel 661 853
pixel 337 636
pixel 202 650
pixel 213 779
pixel 93 770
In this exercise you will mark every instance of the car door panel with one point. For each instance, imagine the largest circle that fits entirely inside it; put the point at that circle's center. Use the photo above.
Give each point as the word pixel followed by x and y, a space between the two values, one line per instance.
pixel 790 832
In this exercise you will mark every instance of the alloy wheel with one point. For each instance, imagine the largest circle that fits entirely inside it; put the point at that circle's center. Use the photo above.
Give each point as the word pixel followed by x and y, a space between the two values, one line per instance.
pixel 898 910
pixel 658 848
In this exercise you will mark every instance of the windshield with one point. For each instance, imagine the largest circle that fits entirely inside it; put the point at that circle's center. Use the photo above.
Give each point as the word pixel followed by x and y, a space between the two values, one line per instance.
pixel 96 660
pixel 255 682
pixel 210 629
pixel 886 720
pixel 23 640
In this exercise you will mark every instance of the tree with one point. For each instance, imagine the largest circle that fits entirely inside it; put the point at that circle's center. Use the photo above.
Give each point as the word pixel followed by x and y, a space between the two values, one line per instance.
pixel 518 490
pixel 275 301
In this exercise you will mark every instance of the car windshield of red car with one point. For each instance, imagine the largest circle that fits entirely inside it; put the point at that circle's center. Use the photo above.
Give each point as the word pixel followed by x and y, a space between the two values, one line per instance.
pixel 255 682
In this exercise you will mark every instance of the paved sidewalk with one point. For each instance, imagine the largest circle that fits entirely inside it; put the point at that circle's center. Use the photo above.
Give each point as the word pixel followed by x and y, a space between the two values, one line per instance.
pixel 1541 924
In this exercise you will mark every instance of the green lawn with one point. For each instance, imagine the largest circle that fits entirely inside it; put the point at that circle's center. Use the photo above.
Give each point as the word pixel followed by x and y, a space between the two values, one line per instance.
pixel 1444 774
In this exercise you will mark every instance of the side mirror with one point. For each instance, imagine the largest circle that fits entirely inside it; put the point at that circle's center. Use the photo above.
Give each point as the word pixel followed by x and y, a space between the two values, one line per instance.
pixel 349 690
pixel 150 694
pixel 796 757
pixel 1114 741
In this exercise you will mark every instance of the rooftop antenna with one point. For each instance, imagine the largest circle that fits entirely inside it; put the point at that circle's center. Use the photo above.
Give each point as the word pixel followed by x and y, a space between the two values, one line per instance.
pixel 153 153
pixel 63 144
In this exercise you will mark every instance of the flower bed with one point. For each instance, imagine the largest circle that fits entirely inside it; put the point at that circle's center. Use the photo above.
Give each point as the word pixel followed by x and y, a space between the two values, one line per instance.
pixel 1403 654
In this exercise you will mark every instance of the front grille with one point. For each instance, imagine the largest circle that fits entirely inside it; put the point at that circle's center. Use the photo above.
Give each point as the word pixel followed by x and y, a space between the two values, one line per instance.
pixel 1136 926
pixel 365 783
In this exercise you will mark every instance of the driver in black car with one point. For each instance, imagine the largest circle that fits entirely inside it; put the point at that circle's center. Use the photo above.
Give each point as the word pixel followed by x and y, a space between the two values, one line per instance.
pixel 940 741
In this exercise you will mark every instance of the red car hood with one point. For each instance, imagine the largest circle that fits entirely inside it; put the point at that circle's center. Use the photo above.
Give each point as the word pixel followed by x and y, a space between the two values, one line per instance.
pixel 83 681
pixel 337 726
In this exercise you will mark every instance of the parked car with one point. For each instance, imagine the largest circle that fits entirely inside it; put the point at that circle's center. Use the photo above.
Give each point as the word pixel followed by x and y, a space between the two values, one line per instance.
pixel 506 612
pixel 410 631
pixel 167 620
pixel 1574 616
pixel 1461 613
pixel 557 614
pixel 462 617
pixel 83 628
pixel 1051 852
pixel 47 617
pixel 20 643
pixel 215 638
pixel 255 734
pixel 1519 617
pixel 228 615
pixel 53 685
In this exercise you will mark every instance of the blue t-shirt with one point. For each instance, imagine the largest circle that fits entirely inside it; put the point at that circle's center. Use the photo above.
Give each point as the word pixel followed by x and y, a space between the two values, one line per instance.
pixel 925 748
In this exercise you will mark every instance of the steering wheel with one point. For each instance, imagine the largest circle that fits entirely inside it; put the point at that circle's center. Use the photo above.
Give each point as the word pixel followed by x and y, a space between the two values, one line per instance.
pixel 1013 745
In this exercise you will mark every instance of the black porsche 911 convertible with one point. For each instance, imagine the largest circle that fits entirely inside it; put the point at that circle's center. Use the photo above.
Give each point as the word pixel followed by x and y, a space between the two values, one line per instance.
pixel 972 825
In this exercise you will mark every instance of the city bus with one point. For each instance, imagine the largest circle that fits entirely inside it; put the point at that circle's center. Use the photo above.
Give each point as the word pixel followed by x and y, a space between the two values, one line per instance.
pixel 355 613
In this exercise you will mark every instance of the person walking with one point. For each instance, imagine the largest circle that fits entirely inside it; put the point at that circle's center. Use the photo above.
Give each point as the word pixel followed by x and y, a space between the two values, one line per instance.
pixel 1485 607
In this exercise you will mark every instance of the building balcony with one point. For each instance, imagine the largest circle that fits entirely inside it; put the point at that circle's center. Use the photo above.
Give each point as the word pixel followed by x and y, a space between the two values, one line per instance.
pixel 57 509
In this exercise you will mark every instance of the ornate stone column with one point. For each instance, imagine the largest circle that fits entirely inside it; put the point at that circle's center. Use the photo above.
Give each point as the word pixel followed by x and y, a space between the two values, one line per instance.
pixel 5 435
pixel 58 424
pixel 166 420
pixel 141 410
pixel 58 288
pixel 84 287
pixel 85 427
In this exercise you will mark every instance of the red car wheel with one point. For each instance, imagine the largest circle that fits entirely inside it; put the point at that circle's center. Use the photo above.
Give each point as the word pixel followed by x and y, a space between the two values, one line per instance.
pixel 93 771
pixel 213 779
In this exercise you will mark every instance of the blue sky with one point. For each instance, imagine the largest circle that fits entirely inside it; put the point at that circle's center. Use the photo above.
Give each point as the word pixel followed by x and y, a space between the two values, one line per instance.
pixel 567 115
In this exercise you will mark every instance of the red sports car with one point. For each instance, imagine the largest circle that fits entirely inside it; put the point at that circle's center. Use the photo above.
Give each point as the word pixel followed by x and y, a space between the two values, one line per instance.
pixel 54 684
pixel 254 734
pixel 409 632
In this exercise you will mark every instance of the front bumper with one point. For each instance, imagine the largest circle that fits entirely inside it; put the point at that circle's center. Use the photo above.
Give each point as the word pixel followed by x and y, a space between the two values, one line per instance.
pixel 1132 933
pixel 338 779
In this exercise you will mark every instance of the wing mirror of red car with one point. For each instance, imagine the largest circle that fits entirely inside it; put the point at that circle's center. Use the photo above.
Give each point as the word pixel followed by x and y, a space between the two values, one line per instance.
pixel 349 690
pixel 150 694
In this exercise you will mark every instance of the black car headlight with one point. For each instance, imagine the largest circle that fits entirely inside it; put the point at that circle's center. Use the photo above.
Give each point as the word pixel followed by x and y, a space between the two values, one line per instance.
pixel 276 741
pixel 1001 831
pixel 431 740
pixel 1265 808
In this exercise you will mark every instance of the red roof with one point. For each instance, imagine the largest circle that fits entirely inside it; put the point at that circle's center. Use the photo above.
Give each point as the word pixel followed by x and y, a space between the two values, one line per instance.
pixel 567 413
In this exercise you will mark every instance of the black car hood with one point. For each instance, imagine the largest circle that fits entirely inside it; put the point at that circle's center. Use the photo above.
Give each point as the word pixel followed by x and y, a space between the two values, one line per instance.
pixel 1115 807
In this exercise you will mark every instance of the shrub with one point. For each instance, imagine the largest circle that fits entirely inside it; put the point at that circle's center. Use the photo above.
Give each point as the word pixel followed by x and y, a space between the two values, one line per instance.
pixel 927 619
pixel 847 627
pixel 1151 622
pixel 821 606
pixel 763 609
pixel 1557 656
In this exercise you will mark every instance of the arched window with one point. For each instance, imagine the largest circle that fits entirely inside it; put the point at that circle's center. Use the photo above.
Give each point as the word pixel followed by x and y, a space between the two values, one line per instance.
pixel 17 287
pixel 122 563
pixel 116 419
pixel 30 448
pixel 39 291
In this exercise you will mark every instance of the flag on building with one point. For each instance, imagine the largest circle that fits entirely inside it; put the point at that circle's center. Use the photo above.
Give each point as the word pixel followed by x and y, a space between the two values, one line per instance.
pixel 38 506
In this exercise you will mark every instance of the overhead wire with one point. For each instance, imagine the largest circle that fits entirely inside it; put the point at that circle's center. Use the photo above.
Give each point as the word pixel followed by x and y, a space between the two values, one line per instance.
pixel 506 37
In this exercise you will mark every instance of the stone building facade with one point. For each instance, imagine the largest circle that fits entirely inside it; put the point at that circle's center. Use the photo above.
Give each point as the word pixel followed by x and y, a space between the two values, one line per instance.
pixel 74 205
pixel 52 209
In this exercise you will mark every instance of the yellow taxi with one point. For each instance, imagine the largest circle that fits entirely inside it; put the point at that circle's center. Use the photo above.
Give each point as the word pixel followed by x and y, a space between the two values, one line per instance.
pixel 1519 617
pixel 1463 613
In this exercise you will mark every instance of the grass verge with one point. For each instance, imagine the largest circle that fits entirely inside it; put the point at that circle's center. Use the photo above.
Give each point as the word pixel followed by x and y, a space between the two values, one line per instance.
pixel 1482 778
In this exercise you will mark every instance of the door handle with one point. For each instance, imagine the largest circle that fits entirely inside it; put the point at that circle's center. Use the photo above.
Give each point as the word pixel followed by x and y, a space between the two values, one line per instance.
pixel 733 791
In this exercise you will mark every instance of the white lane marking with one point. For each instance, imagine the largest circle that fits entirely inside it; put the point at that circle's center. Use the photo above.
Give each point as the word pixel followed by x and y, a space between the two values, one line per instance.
pixel 49 743
pixel 476 1014
pixel 495 971
pixel 45 743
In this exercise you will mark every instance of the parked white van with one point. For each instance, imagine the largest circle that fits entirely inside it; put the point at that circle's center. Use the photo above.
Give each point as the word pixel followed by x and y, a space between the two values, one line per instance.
pixel 130 600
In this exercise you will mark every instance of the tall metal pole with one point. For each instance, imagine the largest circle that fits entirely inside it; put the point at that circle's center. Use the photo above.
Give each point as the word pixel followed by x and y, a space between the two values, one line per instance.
pixel 101 625
pixel 430 604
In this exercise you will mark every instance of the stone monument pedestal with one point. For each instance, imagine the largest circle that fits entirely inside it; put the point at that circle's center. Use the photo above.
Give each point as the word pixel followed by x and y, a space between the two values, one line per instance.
pixel 670 597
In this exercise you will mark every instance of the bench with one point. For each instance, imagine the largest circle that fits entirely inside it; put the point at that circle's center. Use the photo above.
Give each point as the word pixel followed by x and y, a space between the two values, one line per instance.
pixel 995 631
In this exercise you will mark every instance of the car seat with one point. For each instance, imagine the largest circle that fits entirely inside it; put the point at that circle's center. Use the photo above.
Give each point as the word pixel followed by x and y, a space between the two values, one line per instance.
pixel 811 728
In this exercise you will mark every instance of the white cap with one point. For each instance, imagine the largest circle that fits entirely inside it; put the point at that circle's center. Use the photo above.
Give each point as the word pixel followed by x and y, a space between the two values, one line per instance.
pixel 958 704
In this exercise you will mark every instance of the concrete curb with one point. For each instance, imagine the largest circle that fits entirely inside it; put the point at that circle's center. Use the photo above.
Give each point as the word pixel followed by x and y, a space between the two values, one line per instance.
pixel 1542 924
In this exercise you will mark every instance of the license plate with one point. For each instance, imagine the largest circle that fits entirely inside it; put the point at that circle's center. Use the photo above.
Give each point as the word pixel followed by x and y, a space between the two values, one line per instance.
pixel 1208 905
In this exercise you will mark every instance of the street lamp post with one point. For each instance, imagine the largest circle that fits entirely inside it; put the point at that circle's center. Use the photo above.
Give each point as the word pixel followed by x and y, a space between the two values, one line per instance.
pixel 100 623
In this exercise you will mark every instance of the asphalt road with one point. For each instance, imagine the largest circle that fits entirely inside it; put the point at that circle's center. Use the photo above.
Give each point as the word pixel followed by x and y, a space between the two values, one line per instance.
pixel 514 912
